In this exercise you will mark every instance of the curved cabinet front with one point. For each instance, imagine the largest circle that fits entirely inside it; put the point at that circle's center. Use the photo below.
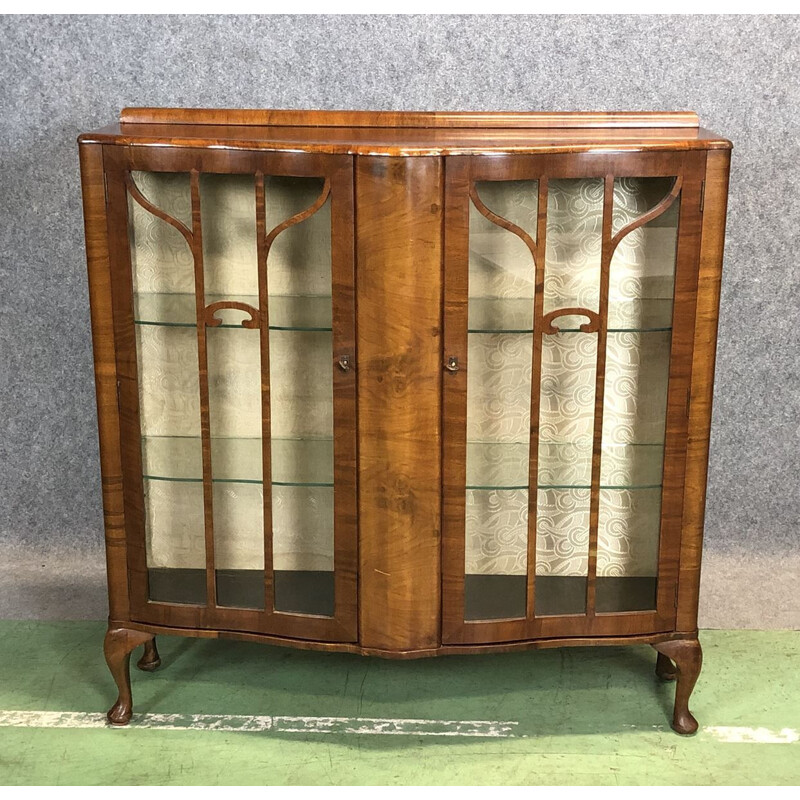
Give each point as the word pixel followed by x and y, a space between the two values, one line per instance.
pixel 496 350
pixel 569 321
pixel 235 333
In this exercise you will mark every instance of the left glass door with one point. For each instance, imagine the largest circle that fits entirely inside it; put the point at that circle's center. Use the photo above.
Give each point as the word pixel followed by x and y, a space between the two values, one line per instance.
pixel 237 391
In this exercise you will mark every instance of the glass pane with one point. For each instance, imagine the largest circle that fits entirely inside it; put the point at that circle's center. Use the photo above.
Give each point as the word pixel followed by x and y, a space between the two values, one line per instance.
pixel 574 243
pixel 567 396
pixel 230 269
pixel 301 398
pixel 169 398
pixel 502 279
pixel 641 282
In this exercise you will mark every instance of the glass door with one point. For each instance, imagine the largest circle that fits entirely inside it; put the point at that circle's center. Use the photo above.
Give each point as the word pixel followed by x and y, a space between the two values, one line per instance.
pixel 240 386
pixel 569 304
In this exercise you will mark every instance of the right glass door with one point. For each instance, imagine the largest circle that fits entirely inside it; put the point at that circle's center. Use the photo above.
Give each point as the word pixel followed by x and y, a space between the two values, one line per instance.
pixel 569 317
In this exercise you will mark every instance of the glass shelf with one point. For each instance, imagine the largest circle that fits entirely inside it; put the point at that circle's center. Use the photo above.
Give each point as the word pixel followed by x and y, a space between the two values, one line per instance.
pixel 286 312
pixel 504 465
pixel 295 462
pixel 515 315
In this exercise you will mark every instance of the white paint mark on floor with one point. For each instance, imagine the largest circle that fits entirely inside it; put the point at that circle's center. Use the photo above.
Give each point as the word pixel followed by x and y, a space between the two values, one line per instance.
pixel 344 725
pixel 210 722
pixel 731 734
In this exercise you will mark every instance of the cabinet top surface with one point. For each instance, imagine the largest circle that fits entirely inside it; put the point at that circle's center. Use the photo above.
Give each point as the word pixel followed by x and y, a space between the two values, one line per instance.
pixel 408 133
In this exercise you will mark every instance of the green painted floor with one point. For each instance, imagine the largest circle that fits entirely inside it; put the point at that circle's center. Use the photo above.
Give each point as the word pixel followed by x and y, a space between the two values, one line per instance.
pixel 583 716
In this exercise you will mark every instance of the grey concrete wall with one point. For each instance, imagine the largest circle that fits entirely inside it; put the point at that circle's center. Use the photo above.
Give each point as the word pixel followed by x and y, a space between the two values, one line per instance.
pixel 62 75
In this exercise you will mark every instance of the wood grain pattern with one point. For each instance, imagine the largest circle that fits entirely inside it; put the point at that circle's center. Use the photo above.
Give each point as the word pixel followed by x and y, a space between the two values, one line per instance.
pixel 540 327
pixel 105 375
pixel 458 184
pixel 121 274
pixel 399 220
pixel 399 411
pixel 205 410
pixel 702 386
pixel 407 141
pixel 684 299
pixel 403 655
pixel 413 119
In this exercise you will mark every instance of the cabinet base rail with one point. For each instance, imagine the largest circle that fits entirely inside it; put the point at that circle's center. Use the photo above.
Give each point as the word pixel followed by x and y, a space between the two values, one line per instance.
pixel 680 657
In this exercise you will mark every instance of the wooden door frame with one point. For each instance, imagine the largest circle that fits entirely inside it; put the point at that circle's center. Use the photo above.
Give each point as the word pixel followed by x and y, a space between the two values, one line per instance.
pixel 338 171
pixel 460 174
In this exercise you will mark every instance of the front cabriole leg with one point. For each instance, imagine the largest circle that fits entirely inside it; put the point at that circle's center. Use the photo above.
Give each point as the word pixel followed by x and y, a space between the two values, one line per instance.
pixel 688 658
pixel 119 643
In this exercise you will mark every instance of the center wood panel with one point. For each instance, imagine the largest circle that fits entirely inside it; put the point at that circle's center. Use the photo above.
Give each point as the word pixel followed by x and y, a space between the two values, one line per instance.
pixel 399 294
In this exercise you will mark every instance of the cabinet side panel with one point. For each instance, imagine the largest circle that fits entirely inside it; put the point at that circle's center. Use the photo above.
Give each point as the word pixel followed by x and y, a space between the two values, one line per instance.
pixel 708 292
pixel 95 222
pixel 399 288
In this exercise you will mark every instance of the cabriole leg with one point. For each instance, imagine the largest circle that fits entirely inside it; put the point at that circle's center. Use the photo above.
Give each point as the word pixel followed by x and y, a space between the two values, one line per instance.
pixel 688 658
pixel 665 669
pixel 150 659
pixel 117 647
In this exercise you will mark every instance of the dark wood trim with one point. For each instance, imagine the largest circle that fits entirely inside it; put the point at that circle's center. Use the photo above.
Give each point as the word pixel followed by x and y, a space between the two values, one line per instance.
pixel 684 299
pixel 454 392
pixel 105 372
pixel 345 396
pixel 702 385
pixel 607 252
pixel 205 402
pixel 266 412
pixel 411 119
pixel 127 376
pixel 539 329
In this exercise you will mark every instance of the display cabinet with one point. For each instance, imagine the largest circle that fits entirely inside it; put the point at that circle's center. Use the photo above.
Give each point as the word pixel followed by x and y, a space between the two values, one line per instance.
pixel 404 384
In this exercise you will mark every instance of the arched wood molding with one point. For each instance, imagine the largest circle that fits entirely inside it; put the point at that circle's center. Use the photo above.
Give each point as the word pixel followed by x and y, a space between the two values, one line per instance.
pixel 212 321
pixel 656 211
pixel 588 327
pixel 137 195
pixel 502 221
pixel 299 217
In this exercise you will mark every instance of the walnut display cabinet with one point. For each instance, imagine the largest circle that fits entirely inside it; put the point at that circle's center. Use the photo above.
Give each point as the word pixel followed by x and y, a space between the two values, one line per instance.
pixel 405 384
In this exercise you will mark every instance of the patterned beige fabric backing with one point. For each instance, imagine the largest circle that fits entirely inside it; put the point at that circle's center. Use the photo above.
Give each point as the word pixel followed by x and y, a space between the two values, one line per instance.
pixel 501 287
pixel 499 378
pixel 300 374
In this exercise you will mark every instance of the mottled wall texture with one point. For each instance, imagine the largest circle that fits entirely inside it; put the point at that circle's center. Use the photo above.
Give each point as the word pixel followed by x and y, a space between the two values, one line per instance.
pixel 62 75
